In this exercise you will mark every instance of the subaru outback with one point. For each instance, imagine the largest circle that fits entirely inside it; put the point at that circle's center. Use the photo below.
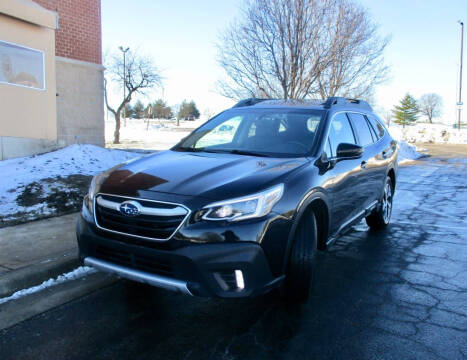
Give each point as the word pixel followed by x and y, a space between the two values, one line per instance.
pixel 242 205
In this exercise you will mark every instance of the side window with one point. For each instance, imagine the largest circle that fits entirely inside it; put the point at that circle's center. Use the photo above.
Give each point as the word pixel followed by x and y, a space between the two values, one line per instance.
pixel 379 129
pixel 362 129
pixel 340 132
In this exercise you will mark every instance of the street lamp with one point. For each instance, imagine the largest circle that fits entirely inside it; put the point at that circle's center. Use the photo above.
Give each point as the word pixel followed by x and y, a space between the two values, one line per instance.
pixel 459 103
pixel 124 79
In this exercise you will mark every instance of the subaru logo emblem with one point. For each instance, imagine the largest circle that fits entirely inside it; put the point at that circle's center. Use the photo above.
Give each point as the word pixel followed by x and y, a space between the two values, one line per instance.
pixel 130 208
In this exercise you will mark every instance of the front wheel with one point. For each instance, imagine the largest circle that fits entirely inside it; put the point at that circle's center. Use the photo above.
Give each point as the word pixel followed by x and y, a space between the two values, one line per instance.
pixel 381 217
pixel 299 274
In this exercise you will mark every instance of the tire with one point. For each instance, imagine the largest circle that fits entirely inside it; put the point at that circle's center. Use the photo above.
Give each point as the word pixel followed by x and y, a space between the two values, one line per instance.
pixel 380 218
pixel 299 274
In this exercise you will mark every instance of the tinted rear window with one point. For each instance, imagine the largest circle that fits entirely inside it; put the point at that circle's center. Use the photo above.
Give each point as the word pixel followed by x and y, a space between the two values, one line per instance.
pixel 362 129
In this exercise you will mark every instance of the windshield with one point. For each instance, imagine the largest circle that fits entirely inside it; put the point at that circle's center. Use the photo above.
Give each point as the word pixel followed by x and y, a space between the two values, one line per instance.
pixel 259 132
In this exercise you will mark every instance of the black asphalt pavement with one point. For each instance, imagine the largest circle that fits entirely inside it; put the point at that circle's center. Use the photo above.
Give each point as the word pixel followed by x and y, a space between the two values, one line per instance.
pixel 396 294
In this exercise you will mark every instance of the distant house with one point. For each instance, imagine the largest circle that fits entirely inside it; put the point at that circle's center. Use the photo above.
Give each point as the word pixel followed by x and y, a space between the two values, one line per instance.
pixel 51 75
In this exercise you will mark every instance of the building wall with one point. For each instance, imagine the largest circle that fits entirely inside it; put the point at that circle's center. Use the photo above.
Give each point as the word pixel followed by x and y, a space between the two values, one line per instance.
pixel 80 102
pixel 28 113
pixel 79 28
pixel 71 109
pixel 80 96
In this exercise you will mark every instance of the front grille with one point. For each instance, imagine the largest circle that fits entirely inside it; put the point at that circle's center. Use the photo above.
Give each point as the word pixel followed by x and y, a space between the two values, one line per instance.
pixel 145 225
pixel 134 261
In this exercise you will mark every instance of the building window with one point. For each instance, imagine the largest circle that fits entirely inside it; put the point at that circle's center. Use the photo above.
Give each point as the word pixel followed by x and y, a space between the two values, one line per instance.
pixel 21 66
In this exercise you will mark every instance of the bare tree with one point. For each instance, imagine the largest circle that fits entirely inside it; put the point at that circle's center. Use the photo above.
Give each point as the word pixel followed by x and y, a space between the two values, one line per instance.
pixel 300 48
pixel 430 105
pixel 140 74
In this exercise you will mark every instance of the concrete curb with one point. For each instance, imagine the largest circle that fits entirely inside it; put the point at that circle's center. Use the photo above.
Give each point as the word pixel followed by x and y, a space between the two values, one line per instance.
pixel 35 274
pixel 14 312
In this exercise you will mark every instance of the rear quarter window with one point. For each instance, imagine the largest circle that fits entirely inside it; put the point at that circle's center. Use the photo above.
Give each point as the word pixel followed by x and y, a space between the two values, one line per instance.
pixel 377 127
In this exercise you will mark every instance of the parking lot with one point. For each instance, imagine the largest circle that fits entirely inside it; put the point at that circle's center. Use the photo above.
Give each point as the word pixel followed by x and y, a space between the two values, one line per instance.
pixel 396 294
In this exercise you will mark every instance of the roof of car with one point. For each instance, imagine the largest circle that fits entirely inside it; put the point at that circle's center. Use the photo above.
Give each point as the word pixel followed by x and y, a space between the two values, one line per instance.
pixel 305 103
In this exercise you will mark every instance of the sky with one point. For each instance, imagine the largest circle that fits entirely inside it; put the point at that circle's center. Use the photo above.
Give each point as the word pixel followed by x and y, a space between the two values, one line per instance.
pixel 181 36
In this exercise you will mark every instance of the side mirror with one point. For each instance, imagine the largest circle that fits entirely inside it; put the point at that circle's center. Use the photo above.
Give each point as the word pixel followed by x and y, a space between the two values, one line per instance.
pixel 349 151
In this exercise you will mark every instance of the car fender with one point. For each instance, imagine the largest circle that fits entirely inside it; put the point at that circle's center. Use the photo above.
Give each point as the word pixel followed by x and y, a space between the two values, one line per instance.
pixel 311 196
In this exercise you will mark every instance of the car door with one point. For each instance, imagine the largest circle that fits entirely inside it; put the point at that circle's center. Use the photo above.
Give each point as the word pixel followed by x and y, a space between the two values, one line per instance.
pixel 341 178
pixel 382 150
pixel 368 180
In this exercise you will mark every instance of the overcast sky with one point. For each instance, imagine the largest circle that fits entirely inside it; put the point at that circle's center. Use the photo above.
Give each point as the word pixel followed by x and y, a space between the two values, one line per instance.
pixel 181 35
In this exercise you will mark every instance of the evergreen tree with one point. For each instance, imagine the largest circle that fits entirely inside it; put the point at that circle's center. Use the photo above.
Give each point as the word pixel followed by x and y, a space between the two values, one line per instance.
pixel 129 113
pixel 138 110
pixel 407 111
pixel 161 110
pixel 188 110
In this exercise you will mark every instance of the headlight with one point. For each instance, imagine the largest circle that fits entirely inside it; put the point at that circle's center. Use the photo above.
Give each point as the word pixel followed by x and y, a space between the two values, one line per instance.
pixel 246 207
pixel 96 182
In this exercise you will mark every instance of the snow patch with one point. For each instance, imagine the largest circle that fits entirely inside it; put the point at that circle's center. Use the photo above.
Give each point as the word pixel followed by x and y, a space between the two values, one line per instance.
pixel 407 153
pixel 18 173
pixel 429 133
pixel 72 275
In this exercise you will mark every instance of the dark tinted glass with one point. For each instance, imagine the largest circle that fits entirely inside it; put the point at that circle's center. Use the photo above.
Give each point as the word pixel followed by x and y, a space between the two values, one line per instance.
pixel 379 129
pixel 362 128
pixel 340 132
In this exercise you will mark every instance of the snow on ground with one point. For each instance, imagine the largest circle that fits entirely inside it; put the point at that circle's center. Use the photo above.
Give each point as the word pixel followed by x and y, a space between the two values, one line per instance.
pixel 428 133
pixel 408 153
pixel 158 135
pixel 72 275
pixel 30 184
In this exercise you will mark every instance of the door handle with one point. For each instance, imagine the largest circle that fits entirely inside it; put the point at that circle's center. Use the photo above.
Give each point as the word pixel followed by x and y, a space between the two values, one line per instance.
pixel 363 165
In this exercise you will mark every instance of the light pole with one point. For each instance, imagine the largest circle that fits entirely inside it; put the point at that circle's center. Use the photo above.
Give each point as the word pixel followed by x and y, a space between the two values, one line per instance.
pixel 459 103
pixel 124 79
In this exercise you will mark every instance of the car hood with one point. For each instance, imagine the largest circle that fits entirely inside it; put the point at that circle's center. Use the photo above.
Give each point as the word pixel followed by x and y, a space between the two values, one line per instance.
pixel 213 176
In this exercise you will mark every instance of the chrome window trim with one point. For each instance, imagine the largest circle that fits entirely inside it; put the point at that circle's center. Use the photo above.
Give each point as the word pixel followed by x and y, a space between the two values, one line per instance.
pixel 141 199
pixel 379 121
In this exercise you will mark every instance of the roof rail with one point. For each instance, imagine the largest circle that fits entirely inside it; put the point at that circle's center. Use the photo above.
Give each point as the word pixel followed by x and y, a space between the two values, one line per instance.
pixel 335 101
pixel 248 102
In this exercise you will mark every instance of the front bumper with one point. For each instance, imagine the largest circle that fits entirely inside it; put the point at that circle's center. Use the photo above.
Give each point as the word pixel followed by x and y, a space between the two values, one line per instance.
pixel 195 269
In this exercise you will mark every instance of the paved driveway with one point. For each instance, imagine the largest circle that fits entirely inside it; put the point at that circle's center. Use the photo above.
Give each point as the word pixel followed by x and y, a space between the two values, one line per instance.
pixel 396 294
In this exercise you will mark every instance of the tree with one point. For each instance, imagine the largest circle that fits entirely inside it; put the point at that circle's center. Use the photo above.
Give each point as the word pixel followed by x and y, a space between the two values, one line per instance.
pixel 430 106
pixel 187 110
pixel 161 110
pixel 407 112
pixel 301 48
pixel 139 75
pixel 138 110
pixel 129 113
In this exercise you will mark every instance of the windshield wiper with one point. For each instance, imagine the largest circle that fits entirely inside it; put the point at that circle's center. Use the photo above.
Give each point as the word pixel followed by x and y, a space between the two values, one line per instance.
pixel 246 152
pixel 188 149
pixel 225 151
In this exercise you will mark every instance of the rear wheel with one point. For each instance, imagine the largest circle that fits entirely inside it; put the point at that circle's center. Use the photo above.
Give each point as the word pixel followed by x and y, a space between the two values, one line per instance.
pixel 381 217
pixel 299 274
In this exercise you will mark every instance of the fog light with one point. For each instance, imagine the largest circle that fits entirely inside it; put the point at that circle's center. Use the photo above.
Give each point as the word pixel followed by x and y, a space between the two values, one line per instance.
pixel 239 279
